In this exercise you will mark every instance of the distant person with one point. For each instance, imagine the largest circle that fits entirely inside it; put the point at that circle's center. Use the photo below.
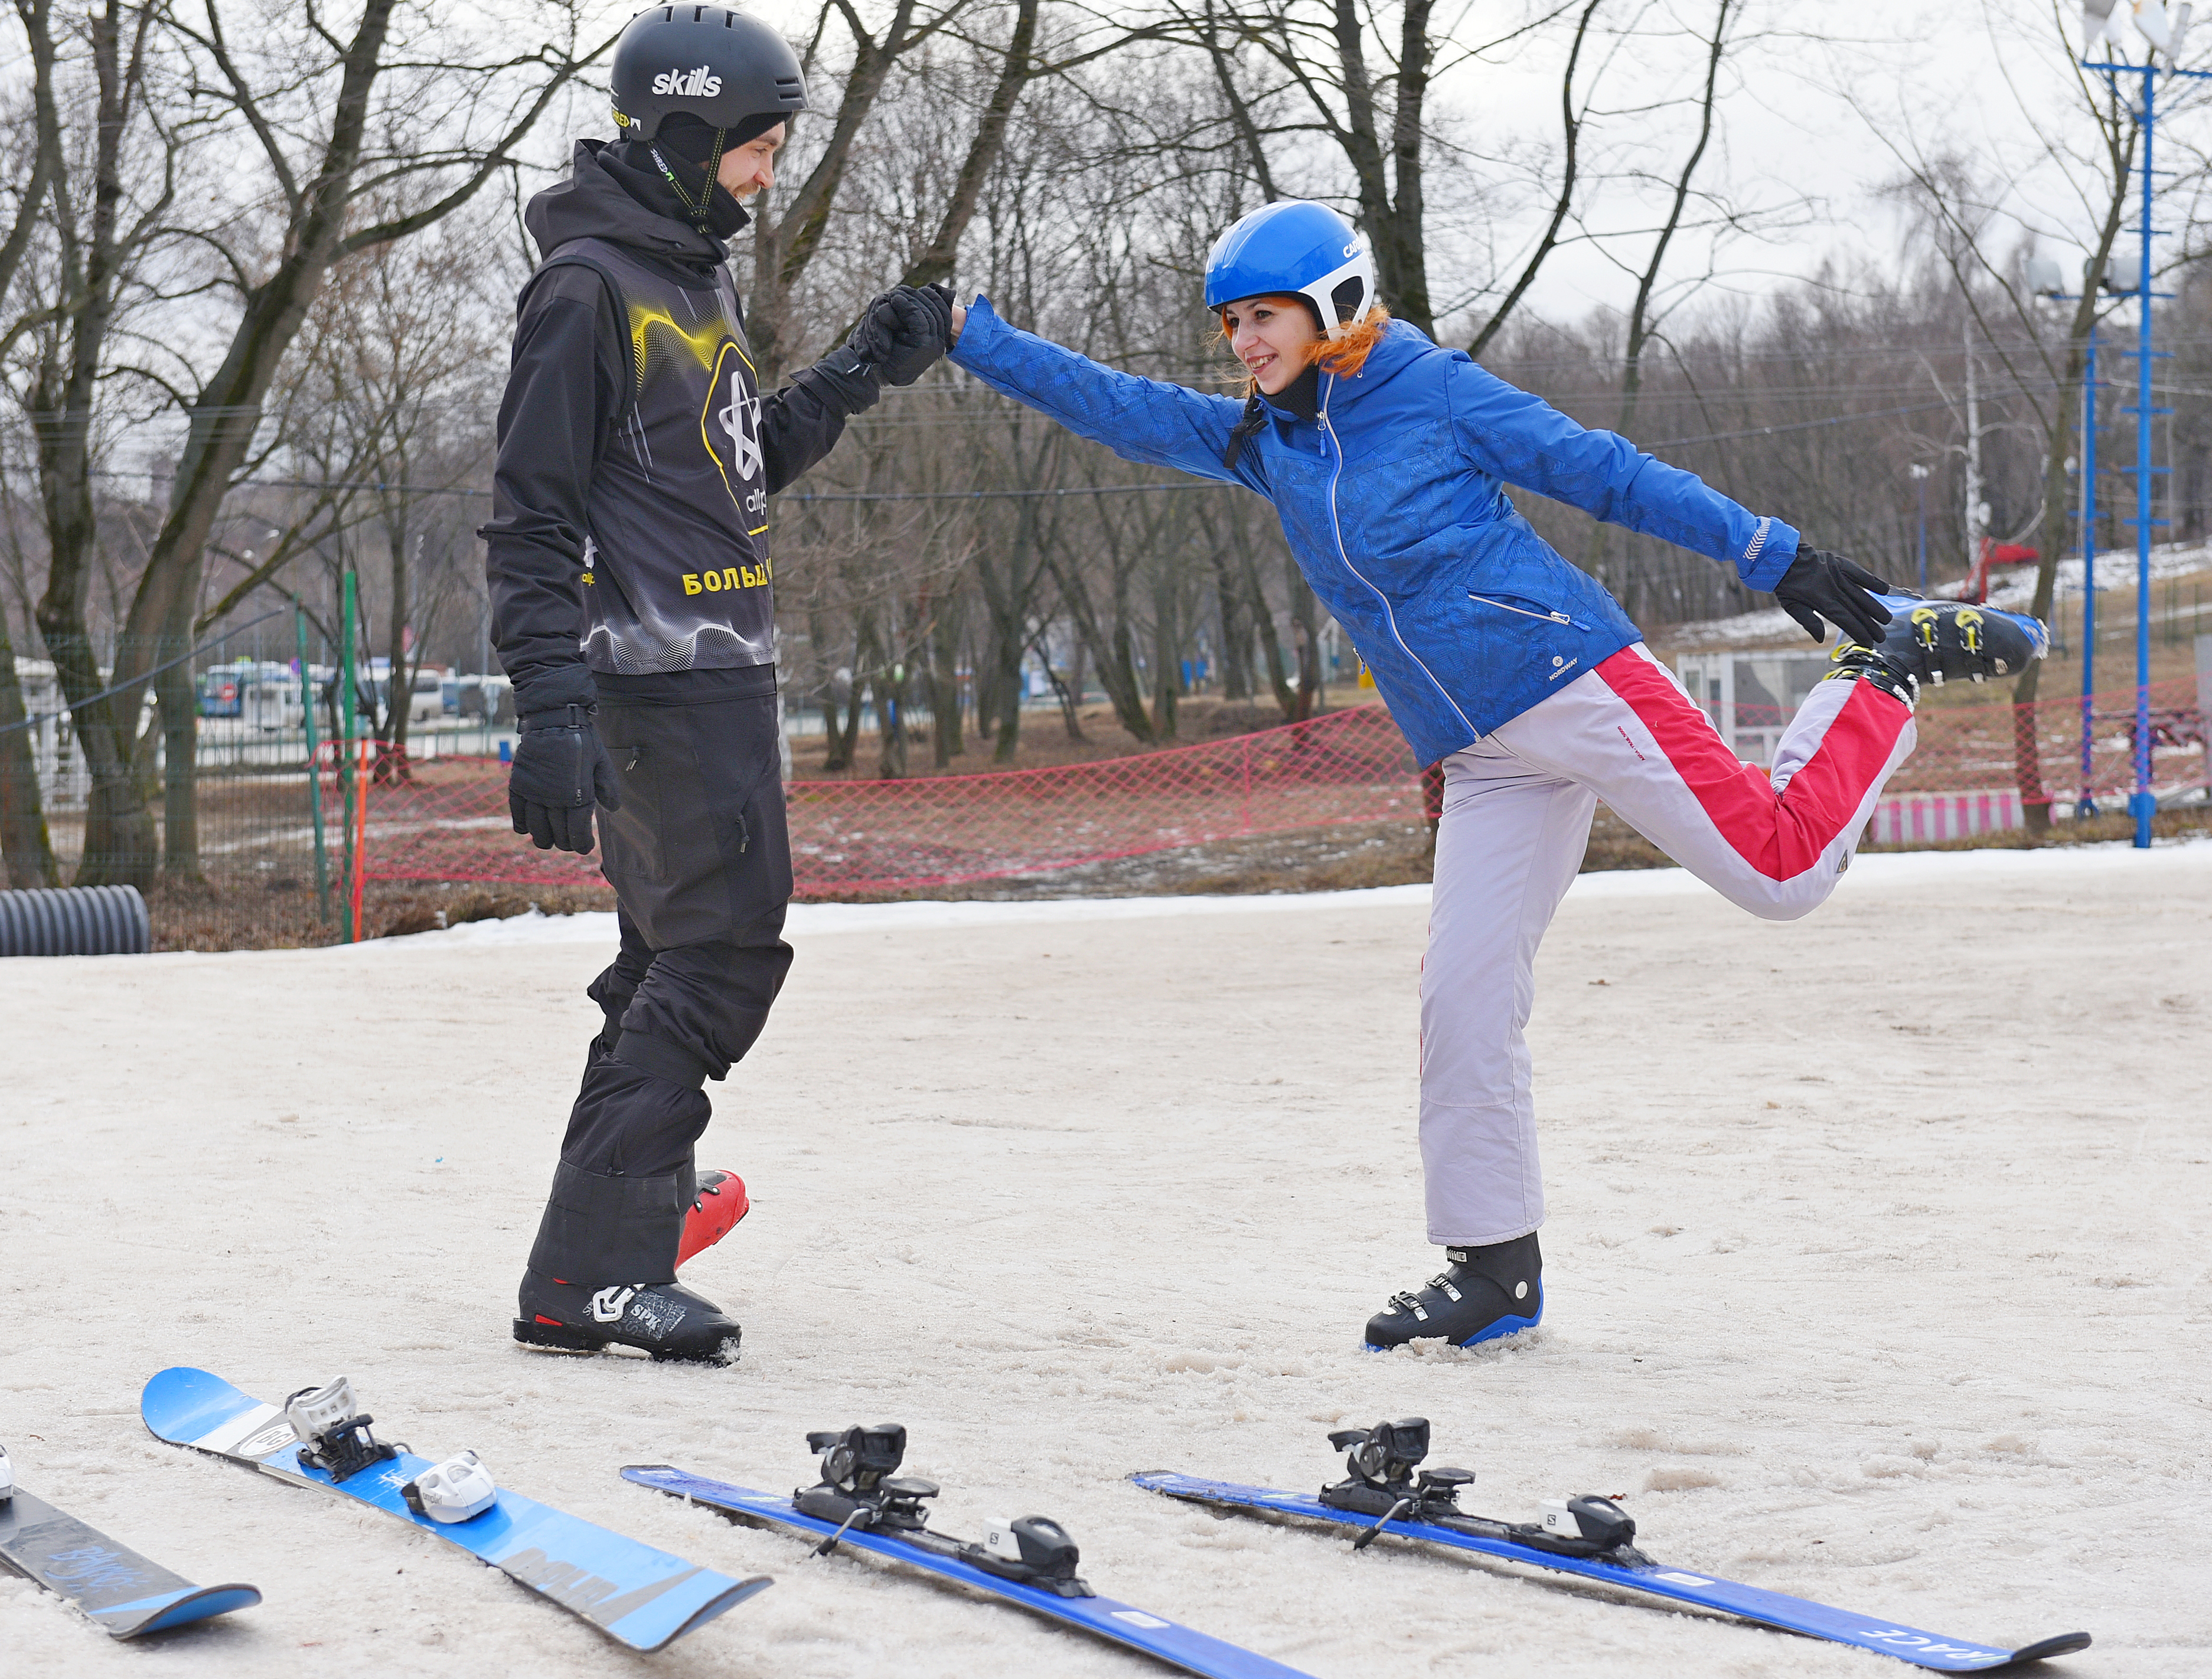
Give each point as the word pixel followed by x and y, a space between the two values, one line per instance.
pixel 629 577
pixel 1386 457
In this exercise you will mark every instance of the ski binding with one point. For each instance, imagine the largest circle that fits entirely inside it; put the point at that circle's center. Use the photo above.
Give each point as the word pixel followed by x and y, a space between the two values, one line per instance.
pixel 1385 1488
pixel 319 1437
pixel 862 1502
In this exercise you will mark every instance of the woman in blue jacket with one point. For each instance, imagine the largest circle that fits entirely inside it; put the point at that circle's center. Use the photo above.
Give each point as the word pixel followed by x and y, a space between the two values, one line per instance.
pixel 1386 456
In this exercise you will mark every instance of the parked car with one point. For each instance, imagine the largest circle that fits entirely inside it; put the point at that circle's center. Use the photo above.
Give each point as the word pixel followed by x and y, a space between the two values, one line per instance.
pixel 428 699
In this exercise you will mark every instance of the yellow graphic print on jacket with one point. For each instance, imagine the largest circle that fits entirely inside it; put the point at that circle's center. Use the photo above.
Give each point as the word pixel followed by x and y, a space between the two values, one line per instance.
pixel 676 558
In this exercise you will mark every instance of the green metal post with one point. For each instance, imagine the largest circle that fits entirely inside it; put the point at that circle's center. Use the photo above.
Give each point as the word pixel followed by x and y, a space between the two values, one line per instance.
pixel 314 770
pixel 345 751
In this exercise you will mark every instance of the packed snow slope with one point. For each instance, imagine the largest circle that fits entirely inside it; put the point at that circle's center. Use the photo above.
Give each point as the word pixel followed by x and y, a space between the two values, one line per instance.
pixel 1877 1267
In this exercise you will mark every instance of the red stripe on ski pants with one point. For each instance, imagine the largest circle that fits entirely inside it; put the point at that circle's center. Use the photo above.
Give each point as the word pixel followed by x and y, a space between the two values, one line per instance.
pixel 1516 816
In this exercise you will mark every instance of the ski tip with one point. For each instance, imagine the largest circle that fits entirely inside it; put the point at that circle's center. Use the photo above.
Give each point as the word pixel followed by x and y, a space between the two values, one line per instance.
pixel 203 1605
pixel 721 1603
pixel 2064 1645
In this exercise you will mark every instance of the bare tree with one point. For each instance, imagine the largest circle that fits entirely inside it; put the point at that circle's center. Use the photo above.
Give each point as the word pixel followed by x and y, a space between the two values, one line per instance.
pixel 339 124
pixel 26 845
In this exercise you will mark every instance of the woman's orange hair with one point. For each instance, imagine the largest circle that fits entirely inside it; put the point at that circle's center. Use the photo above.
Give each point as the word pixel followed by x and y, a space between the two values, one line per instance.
pixel 1343 356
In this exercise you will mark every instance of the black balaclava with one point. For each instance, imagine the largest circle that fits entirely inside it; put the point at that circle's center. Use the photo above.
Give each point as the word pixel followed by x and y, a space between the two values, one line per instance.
pixel 686 155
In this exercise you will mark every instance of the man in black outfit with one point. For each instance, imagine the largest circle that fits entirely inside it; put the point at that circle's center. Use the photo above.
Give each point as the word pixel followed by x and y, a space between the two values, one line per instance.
pixel 629 578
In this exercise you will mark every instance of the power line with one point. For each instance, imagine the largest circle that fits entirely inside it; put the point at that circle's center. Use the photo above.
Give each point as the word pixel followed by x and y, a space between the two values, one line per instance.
pixel 37 718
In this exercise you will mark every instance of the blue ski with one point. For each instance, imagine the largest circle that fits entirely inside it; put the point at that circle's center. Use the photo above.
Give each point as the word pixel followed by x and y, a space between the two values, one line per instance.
pixel 1058 1595
pixel 637 1595
pixel 123 1593
pixel 1400 1505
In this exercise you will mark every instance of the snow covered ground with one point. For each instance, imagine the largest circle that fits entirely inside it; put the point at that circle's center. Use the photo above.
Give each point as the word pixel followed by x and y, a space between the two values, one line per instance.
pixel 1877 1271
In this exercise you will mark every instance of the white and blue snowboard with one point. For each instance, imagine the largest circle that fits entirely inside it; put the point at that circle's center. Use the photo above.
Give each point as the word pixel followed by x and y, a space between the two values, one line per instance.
pixel 1192 1651
pixel 1750 1603
pixel 124 1594
pixel 637 1595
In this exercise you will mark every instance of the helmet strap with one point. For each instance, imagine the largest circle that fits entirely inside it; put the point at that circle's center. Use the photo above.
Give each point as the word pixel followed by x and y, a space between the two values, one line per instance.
pixel 696 209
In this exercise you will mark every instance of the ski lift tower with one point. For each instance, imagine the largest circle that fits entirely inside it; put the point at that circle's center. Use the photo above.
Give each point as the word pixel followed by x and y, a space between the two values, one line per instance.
pixel 2163 35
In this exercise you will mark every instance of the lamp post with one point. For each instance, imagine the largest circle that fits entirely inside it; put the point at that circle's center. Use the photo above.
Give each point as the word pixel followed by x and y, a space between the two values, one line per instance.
pixel 1920 482
pixel 2143 803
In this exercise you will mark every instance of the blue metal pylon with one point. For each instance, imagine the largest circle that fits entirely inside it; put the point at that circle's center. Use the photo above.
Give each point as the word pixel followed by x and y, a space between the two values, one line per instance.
pixel 2142 803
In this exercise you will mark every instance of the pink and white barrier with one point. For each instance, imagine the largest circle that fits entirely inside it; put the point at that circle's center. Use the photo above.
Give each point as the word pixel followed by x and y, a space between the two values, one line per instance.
pixel 1905 817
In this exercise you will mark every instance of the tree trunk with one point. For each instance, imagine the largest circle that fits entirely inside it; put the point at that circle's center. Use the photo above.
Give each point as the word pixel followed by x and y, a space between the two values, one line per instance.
pixel 179 700
pixel 1305 639
pixel 1230 602
pixel 26 845
pixel 1109 650
pixel 890 720
pixel 1270 645
pixel 323 224
pixel 402 667
pixel 945 740
pixel 1071 692
pixel 1167 673
pixel 1571 126
pixel 1015 70
pixel 783 248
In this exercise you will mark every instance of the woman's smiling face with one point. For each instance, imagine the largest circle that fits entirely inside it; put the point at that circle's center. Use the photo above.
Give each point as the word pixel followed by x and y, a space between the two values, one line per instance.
pixel 1272 336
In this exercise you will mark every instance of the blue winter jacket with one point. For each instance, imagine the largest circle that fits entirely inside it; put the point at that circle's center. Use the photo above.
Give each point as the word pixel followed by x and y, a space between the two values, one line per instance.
pixel 1395 505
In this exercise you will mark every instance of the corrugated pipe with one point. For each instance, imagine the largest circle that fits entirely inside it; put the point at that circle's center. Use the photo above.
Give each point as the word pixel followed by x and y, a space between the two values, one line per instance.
pixel 74 921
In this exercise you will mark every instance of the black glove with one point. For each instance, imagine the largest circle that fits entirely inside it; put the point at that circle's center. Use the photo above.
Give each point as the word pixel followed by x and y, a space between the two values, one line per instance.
pixel 1819 584
pixel 904 331
pixel 560 771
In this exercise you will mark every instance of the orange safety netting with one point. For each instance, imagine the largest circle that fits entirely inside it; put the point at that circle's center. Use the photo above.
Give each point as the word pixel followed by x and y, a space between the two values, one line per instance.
pixel 449 822
pixel 446 820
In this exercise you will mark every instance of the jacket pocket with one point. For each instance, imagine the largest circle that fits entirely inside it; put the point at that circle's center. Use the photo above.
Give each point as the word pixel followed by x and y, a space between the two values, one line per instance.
pixel 1526 608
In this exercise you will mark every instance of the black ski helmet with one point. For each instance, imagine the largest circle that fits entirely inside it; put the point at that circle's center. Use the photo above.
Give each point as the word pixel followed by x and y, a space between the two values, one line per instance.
pixel 705 61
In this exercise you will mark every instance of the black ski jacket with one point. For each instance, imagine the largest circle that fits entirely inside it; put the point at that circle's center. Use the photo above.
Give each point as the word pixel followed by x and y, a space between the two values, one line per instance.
pixel 573 380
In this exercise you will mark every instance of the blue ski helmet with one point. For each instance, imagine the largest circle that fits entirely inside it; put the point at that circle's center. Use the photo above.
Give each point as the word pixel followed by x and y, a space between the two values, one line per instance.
pixel 1295 248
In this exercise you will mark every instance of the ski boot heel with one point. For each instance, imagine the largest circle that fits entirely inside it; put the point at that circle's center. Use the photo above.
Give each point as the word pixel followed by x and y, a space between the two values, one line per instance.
pixel 538 1332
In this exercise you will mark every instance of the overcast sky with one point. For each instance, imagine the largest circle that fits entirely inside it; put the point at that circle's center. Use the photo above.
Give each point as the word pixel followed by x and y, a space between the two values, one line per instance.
pixel 1812 98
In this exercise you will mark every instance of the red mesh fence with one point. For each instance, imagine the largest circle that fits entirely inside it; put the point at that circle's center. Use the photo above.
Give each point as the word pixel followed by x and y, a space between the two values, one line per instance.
pixel 450 821
pixel 446 820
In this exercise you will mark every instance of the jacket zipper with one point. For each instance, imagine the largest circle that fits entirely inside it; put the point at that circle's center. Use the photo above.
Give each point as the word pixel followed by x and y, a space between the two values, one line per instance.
pixel 1336 527
pixel 1502 605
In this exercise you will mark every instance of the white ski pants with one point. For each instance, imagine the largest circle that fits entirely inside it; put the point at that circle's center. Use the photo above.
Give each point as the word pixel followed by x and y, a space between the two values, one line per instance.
pixel 1517 818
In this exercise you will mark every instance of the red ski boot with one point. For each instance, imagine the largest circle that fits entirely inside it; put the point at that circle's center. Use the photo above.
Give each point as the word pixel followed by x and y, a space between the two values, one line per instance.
pixel 715 1212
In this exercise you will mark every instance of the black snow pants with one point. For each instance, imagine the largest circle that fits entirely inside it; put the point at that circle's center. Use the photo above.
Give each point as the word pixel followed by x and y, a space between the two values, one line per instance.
pixel 700 859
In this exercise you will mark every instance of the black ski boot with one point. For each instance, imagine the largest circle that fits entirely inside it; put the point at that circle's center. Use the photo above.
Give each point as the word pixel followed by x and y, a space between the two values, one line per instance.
pixel 664 1318
pixel 598 1227
pixel 1931 642
pixel 1483 1292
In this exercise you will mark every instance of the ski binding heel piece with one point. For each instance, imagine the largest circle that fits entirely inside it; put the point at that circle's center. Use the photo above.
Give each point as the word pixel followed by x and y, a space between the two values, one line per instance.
pixel 1034 1550
pixel 333 1432
pixel 1598 1522
pixel 453 1491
